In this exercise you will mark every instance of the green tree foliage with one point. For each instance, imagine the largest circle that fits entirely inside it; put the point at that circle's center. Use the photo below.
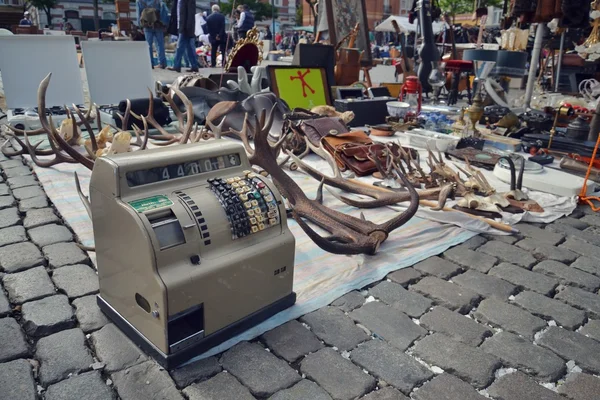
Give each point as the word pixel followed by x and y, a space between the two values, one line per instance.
pixel 260 10
pixel 299 13
pixel 46 6
pixel 454 7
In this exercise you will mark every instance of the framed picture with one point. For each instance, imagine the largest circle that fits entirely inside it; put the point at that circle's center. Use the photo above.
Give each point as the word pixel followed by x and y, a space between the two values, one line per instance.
pixel 300 86
pixel 342 17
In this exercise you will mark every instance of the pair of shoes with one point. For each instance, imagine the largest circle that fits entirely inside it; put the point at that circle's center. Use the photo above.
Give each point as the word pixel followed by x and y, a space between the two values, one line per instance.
pixel 160 66
pixel 192 70
pixel 174 69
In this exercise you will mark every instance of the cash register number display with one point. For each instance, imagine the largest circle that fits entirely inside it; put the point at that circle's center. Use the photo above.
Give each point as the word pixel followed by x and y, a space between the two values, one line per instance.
pixel 192 247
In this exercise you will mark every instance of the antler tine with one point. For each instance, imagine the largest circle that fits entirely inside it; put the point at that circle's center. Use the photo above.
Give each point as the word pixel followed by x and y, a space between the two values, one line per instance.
pixel 411 210
pixel 82 197
pixel 125 117
pixel 217 130
pixel 189 109
pixel 24 149
pixel 146 135
pixel 325 155
pixel 243 135
pixel 58 157
pixel 164 135
pixel 77 157
pixel 174 107
pixel 88 127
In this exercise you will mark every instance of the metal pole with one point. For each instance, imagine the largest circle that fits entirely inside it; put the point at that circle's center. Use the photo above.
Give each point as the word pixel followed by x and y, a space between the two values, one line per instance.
pixel 535 55
pixel 273 20
pixel 560 57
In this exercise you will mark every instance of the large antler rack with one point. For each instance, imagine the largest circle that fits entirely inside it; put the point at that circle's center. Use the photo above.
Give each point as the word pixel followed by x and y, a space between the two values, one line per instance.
pixel 348 234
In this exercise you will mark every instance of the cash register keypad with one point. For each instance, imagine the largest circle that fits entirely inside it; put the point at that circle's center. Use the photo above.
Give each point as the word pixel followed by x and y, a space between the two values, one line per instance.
pixel 249 204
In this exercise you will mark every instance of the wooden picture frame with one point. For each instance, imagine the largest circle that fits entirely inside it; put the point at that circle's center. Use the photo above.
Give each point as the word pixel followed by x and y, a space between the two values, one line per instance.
pixel 342 17
pixel 300 87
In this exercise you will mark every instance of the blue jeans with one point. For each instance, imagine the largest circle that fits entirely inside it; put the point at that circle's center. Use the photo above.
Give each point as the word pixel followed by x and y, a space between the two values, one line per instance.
pixel 158 36
pixel 185 45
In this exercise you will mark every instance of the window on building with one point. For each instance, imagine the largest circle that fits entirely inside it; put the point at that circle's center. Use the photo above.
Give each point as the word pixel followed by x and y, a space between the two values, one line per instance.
pixel 404 6
pixel 109 15
pixel 71 14
pixel 277 3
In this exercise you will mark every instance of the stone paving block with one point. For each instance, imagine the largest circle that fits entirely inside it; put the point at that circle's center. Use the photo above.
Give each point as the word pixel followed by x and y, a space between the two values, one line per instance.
pixel 386 393
pixel 525 279
pixel 508 239
pixel 438 267
pixel 447 294
pixel 471 259
pixel 455 325
pixel 573 346
pixel 591 329
pixel 410 303
pixel 39 217
pixel 28 192
pixel 405 276
pixel 508 253
pixel 12 344
pixel 550 309
pixel 568 276
pixel 389 324
pixel 33 203
pixel 50 234
pixel 580 224
pixel 518 386
pixel 302 390
pixel 543 251
pixel 291 341
pixel 581 247
pixel 588 265
pixel 76 280
pixel 485 285
pixel 61 354
pixel 115 350
pixel 88 386
pixel 391 365
pixel 581 387
pixel 16 381
pixel 11 163
pixel 581 299
pixel 22 181
pixel 591 220
pixel 222 386
pixel 7 201
pixel 48 315
pixel 4 305
pixel 4 190
pixel 145 381
pixel 468 363
pixel 509 317
pixel 447 387
pixel 349 301
pixel 519 353
pixel 20 256
pixel 28 285
pixel 11 235
pixel 17 171
pixel 337 375
pixel 61 254
pixel 258 370
pixel 540 235
pixel 9 217
pixel 88 314
pixel 196 371
pixel 335 328
pixel 571 232
pixel 473 243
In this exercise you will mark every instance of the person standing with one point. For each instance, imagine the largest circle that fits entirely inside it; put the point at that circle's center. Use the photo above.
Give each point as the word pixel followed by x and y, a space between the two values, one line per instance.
pixel 278 40
pixel 215 24
pixel 183 24
pixel 26 21
pixel 268 34
pixel 152 15
pixel 246 21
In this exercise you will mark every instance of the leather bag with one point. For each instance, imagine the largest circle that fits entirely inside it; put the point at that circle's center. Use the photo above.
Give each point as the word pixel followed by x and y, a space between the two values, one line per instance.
pixel 316 129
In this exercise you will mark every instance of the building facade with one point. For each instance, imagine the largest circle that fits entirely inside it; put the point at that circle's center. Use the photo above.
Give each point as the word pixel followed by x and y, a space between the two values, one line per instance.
pixel 377 11
pixel 11 12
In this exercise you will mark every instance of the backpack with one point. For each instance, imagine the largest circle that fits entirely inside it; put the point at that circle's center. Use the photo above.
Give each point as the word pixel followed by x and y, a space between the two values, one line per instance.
pixel 150 17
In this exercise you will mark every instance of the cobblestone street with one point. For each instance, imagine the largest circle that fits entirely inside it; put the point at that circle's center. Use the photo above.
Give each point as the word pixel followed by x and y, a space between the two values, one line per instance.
pixel 500 317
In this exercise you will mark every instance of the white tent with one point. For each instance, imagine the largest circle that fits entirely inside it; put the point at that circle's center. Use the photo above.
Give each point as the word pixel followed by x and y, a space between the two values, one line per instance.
pixel 405 26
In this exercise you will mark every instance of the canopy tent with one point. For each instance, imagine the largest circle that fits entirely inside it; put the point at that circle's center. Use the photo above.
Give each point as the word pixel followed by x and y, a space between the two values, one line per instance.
pixel 405 26
pixel 309 29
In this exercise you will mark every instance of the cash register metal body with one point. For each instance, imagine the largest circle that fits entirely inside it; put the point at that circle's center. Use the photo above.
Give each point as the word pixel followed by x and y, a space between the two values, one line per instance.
pixel 192 247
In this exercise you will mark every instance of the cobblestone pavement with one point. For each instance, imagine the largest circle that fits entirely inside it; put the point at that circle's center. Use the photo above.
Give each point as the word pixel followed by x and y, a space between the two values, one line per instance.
pixel 507 318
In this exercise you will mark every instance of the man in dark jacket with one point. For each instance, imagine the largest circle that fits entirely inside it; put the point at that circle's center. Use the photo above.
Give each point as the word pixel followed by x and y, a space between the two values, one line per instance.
pixel 183 24
pixel 215 24
pixel 246 21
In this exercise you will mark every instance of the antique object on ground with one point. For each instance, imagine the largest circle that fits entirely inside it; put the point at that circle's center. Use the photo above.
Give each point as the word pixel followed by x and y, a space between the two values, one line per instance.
pixel 428 52
pixel 382 130
pixel 330 111
pixel 537 120
pixel 365 111
pixel 475 157
pixel 579 168
pixel 300 87
pixel 347 66
pixel 578 129
pixel 247 52
pixel 412 93
pixel 184 269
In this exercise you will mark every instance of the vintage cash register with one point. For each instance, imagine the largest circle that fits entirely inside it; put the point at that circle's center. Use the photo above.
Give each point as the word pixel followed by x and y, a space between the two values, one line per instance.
pixel 192 247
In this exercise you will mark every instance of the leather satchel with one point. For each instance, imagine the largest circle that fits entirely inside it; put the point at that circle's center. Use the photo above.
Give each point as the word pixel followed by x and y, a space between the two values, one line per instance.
pixel 316 129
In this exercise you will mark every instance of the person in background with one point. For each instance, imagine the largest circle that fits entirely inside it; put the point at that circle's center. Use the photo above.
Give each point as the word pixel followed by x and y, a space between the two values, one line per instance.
pixel 68 26
pixel 246 21
pixel 183 24
pixel 278 40
pixel 215 25
pixel 294 41
pixel 268 34
pixel 152 15
pixel 26 21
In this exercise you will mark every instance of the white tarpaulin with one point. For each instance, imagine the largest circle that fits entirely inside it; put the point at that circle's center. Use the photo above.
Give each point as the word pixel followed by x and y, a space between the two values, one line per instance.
pixel 405 26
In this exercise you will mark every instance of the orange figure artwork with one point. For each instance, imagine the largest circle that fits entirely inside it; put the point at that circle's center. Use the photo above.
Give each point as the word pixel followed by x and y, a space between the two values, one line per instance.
pixel 300 87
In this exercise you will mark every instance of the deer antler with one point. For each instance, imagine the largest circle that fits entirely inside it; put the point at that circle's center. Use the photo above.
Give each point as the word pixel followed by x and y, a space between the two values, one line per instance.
pixel 349 235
